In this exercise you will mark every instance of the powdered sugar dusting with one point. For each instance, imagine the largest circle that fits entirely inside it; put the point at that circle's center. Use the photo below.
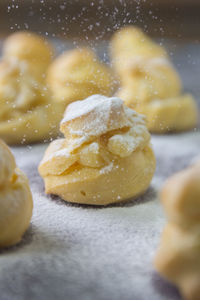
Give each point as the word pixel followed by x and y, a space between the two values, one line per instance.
pixel 57 144
pixel 94 116
pixel 107 169
pixel 92 103
pixel 97 115
pixel 60 153
pixel 67 236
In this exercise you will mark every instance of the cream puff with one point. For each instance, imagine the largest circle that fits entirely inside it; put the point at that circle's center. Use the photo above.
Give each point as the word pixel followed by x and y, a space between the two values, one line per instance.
pixel 149 82
pixel 77 74
pixel 27 112
pixel 16 202
pixel 105 156
pixel 31 48
pixel 131 45
pixel 177 258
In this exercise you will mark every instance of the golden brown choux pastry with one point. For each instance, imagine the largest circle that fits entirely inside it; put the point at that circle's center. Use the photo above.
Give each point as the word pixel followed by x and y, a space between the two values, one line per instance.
pixel 105 156
pixel 29 47
pixel 77 74
pixel 166 115
pixel 149 83
pixel 147 80
pixel 15 200
pixel 131 45
pixel 178 256
pixel 27 112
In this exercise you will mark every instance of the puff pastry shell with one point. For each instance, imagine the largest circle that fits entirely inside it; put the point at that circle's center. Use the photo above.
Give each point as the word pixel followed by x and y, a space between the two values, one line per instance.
pixel 149 82
pixel 178 256
pixel 27 112
pixel 105 156
pixel 15 199
pixel 77 74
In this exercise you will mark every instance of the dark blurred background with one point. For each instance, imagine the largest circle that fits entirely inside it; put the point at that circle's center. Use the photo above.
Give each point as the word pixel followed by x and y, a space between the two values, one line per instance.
pixel 85 19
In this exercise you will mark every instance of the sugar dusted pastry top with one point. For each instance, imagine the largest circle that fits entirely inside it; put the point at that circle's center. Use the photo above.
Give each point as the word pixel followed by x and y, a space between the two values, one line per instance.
pixel 97 131
pixel 98 116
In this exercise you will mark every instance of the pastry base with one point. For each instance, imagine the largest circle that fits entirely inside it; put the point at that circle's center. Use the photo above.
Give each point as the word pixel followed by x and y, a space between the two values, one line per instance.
pixel 15 219
pixel 38 125
pixel 170 115
pixel 128 178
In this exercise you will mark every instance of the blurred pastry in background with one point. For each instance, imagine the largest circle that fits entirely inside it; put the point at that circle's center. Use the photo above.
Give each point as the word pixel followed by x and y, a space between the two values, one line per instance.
pixel 27 113
pixel 105 157
pixel 77 74
pixel 149 82
pixel 16 202
pixel 129 45
pixel 30 48
pixel 178 257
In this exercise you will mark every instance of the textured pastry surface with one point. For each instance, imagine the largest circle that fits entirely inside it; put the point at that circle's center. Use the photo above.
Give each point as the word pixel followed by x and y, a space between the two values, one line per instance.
pixel 15 199
pixel 105 156
pixel 77 74
pixel 149 82
pixel 27 113
pixel 178 255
